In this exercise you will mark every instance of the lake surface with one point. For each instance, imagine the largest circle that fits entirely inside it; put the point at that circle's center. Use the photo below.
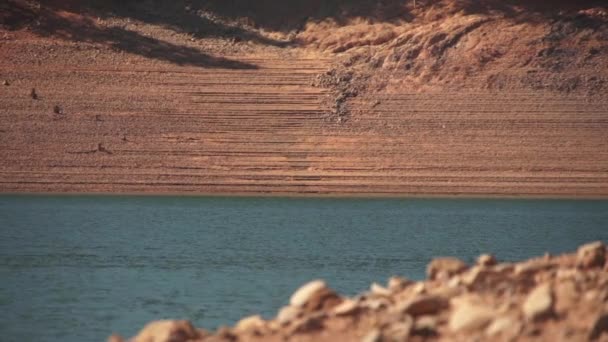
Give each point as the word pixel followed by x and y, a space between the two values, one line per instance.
pixel 77 268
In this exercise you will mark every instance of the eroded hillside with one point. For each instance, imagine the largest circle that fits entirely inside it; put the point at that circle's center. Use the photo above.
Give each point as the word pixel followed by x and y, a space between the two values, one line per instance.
pixel 305 97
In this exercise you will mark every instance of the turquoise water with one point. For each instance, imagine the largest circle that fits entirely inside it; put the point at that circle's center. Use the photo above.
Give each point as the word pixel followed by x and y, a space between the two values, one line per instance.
pixel 78 268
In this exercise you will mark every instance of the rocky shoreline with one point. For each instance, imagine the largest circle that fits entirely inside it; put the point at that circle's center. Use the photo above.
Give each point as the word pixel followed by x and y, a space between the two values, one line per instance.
pixel 549 298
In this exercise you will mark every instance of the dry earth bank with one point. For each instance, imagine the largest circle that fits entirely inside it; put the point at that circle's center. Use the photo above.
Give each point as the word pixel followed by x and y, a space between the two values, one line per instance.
pixel 337 97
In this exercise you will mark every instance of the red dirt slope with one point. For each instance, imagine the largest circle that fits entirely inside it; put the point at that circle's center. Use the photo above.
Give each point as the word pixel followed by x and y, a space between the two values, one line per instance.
pixel 350 97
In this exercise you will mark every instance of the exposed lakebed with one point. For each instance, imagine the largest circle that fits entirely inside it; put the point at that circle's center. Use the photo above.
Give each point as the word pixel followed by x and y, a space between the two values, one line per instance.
pixel 75 268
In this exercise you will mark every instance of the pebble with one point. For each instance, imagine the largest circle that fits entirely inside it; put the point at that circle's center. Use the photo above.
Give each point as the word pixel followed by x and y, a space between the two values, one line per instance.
pixel 539 303
pixel 454 282
pixel 373 336
pixel 424 305
pixel 6 83
pixel 305 293
pixel 566 295
pixel 504 268
pixel 167 331
pixel 591 255
pixel 398 283
pixel 249 323
pixel 445 268
pixel 531 267
pixel 399 331
pixel 503 325
pixel 469 316
pixel 115 338
pixel 379 290
pixel 419 288
pixel 486 260
pixel 308 323
pixel 377 303
pixel 347 307
pixel 474 277
pixel 426 324
pixel 569 273
pixel 599 327
pixel 287 314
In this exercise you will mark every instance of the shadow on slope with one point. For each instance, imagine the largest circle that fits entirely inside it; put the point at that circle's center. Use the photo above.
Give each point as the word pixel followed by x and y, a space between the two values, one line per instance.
pixel 74 23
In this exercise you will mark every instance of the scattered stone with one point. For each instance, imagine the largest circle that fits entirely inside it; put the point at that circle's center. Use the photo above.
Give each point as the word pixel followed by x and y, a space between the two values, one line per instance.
pixel 399 331
pixel 591 255
pixel 443 268
pixel 539 303
pixel 305 293
pixel 167 331
pixel 250 323
pixel 424 305
pixel 426 325
pixel 505 324
pixel 486 260
pixel 57 110
pixel 419 288
pixel 398 283
pixel 569 274
pixel 447 291
pixel 454 282
pixel 379 290
pixel 599 327
pixel 591 295
pixel 504 268
pixel 347 307
pixel 376 303
pixel 101 148
pixel 308 323
pixel 287 314
pixel 33 94
pixel 482 277
pixel 373 336
pixel 566 295
pixel 115 338
pixel 469 316
pixel 225 333
pixel 6 83
pixel 315 296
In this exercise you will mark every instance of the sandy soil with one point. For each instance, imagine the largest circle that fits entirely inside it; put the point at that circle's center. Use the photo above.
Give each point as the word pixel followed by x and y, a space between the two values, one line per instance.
pixel 203 102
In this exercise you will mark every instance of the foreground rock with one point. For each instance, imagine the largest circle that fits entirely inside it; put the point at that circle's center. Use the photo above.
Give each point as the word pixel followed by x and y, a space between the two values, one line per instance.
pixel 552 298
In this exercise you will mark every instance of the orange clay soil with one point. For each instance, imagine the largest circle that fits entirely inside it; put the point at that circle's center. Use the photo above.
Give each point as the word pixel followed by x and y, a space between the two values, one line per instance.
pixel 562 298
pixel 475 98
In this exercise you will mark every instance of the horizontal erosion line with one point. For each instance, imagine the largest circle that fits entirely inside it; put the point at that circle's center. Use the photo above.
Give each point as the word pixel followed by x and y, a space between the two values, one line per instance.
pixel 286 172
pixel 228 84
pixel 323 179
pixel 396 188
pixel 264 67
pixel 502 97
pixel 321 168
pixel 354 153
